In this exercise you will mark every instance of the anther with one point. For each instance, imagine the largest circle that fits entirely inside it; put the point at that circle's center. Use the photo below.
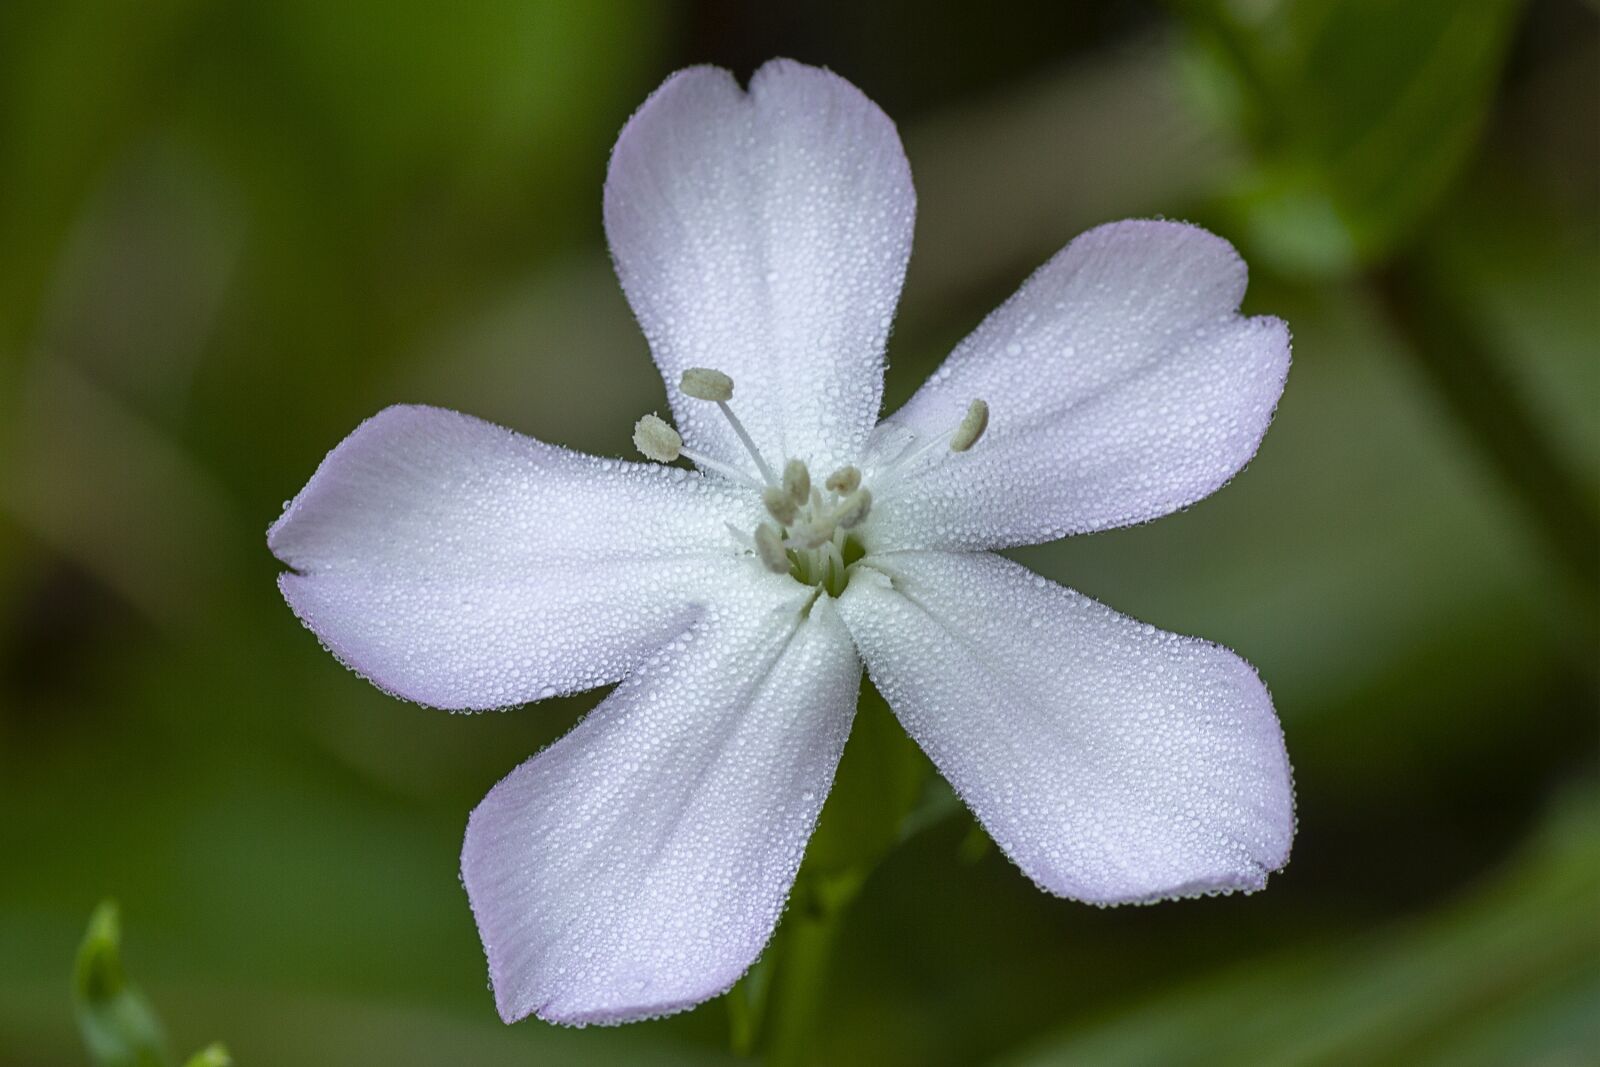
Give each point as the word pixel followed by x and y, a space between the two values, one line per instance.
pixel 781 505
pixel 844 481
pixel 769 546
pixel 657 440
pixel 796 482
pixel 854 509
pixel 972 426
pixel 702 383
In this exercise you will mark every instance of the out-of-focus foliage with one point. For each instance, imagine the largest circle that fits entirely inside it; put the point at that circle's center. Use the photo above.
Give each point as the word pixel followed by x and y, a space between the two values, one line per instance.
pixel 1360 113
pixel 119 1027
pixel 230 231
pixel 1512 975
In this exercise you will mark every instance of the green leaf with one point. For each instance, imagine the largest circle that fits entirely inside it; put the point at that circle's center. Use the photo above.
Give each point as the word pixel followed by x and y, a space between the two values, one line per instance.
pixel 117 1024
pixel 1507 975
pixel 210 1056
pixel 1360 113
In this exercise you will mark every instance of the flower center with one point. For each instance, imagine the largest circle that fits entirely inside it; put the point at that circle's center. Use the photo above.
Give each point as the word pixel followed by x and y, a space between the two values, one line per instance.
pixel 809 534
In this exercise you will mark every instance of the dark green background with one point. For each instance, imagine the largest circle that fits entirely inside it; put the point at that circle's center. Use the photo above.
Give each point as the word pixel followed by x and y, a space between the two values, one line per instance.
pixel 230 231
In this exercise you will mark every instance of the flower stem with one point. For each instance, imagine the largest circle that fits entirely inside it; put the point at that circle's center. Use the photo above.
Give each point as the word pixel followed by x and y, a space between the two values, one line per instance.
pixel 874 803
pixel 810 932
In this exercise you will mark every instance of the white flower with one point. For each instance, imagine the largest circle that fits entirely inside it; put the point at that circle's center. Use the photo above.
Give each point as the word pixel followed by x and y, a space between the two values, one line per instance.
pixel 637 866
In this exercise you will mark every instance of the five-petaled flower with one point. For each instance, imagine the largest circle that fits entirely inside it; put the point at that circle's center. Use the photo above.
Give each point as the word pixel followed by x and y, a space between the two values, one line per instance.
pixel 637 866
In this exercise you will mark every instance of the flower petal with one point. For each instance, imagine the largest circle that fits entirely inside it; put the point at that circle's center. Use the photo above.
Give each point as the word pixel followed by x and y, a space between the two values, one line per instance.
pixel 458 564
pixel 765 234
pixel 637 866
pixel 1112 762
pixel 1122 385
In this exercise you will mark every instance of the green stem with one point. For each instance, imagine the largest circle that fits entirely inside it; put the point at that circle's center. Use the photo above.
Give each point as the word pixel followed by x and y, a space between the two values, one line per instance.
pixel 747 1005
pixel 1484 397
pixel 773 1011
pixel 810 932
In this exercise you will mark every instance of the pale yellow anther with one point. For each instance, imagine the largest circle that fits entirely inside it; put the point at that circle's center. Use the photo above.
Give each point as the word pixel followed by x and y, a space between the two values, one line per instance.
pixel 973 423
pixel 769 546
pixel 780 504
pixel 854 509
pixel 702 383
pixel 796 481
pixel 843 481
pixel 657 440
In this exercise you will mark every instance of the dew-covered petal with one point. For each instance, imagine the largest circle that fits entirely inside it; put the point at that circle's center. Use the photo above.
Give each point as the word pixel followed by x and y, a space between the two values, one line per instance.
pixel 637 866
pixel 765 235
pixel 1113 762
pixel 461 565
pixel 1122 384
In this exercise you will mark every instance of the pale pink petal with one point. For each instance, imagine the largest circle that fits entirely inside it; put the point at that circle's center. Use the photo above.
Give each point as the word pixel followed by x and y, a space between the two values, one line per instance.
pixel 461 565
pixel 1122 383
pixel 637 866
pixel 1111 761
pixel 765 234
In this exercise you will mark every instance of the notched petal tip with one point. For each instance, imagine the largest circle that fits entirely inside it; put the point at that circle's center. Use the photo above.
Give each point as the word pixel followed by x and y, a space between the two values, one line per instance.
pixel 771 228
pixel 1191 247
pixel 1141 317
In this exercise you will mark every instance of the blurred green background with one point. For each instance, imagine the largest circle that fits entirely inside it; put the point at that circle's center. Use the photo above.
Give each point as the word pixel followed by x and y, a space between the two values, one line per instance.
pixel 231 230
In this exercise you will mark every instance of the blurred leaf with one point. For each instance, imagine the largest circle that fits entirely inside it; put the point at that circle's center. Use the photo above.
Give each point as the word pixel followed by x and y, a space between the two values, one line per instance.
pixel 1449 990
pixel 1360 111
pixel 73 77
pixel 1480 389
pixel 211 1056
pixel 268 1026
pixel 1526 276
pixel 118 1025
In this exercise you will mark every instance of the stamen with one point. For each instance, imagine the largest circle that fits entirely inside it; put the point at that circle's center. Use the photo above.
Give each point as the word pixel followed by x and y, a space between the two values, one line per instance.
pixel 843 481
pixel 660 442
pixel 749 445
pixel 733 474
pixel 960 439
pixel 796 481
pixel 972 426
pixel 807 533
pixel 854 510
pixel 657 440
pixel 769 546
pixel 702 383
pixel 780 504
